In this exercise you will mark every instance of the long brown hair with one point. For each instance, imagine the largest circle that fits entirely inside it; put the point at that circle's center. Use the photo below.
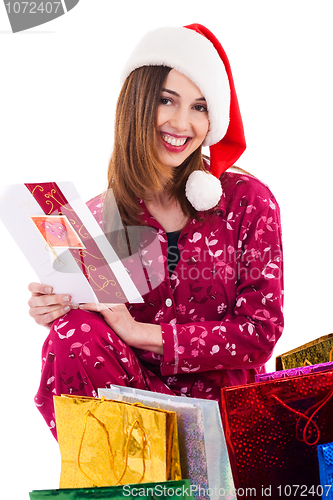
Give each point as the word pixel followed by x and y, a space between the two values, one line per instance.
pixel 134 169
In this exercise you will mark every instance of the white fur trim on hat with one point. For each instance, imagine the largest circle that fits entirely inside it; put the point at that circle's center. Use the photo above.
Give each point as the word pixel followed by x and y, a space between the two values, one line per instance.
pixel 195 56
pixel 203 190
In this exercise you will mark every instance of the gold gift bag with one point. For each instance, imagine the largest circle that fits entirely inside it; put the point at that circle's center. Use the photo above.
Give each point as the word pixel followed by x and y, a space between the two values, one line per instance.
pixel 106 443
pixel 312 353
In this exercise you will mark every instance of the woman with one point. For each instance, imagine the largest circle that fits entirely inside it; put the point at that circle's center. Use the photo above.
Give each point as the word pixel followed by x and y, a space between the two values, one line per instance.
pixel 216 316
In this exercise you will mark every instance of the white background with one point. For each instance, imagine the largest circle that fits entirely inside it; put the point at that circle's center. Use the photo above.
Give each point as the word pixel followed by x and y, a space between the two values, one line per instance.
pixel 58 89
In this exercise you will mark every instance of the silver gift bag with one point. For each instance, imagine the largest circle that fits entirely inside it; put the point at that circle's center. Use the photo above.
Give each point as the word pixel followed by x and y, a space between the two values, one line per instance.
pixel 203 451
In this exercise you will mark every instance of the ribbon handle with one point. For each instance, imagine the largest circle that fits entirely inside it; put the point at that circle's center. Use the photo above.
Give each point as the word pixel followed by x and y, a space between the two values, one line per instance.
pixel 103 426
pixel 316 407
pixel 307 362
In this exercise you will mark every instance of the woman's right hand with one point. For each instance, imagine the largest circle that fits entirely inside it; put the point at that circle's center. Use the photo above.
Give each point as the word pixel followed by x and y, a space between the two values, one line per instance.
pixel 45 306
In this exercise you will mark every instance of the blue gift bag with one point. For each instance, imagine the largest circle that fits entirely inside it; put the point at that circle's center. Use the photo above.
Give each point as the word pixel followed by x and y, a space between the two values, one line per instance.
pixel 325 458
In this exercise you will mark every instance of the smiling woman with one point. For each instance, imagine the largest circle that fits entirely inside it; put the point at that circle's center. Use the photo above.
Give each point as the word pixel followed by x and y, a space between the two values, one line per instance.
pixel 206 325
pixel 145 161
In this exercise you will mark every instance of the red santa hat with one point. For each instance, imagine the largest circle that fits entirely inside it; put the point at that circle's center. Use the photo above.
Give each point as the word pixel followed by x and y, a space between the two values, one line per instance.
pixel 194 51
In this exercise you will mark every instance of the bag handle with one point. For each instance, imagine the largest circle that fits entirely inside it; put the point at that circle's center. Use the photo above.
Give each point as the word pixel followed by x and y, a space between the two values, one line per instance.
pixel 301 415
pixel 307 362
pixel 144 445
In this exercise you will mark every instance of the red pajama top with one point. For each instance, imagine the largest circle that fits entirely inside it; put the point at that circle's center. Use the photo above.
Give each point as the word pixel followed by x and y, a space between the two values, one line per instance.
pixel 221 309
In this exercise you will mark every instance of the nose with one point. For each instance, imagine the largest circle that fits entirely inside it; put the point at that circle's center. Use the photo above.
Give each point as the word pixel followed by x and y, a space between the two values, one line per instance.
pixel 180 120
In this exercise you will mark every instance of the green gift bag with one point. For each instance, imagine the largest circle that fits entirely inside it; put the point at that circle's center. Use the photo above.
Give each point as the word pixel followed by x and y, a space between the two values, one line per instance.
pixel 167 490
pixel 312 353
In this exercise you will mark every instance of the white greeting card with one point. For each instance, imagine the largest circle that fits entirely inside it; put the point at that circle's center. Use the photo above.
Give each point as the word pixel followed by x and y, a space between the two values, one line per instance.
pixel 55 245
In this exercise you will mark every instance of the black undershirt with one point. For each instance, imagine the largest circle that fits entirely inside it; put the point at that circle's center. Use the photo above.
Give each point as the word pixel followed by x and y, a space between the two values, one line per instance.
pixel 173 250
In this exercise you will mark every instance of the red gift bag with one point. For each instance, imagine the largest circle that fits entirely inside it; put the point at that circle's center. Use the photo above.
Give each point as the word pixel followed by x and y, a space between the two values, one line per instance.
pixel 272 431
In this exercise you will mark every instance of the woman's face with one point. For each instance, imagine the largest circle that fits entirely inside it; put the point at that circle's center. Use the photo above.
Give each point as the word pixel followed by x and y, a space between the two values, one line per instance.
pixel 182 119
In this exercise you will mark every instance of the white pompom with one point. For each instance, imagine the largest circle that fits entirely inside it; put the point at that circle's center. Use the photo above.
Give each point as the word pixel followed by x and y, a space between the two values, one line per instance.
pixel 203 190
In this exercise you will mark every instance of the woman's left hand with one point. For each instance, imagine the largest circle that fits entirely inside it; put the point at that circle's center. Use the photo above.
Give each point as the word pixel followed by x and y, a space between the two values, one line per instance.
pixel 141 335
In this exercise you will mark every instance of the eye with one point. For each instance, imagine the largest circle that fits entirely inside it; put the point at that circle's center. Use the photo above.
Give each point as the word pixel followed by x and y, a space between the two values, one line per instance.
pixel 201 108
pixel 166 101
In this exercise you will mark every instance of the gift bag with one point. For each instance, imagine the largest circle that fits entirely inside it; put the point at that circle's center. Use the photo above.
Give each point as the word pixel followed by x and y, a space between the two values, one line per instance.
pixel 314 352
pixel 106 443
pixel 203 453
pixel 169 490
pixel 294 372
pixel 325 459
pixel 272 432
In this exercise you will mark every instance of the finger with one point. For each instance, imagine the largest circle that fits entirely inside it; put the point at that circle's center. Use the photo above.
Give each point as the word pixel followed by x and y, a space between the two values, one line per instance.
pixel 118 305
pixel 41 311
pixel 46 316
pixel 48 300
pixel 37 288
pixel 99 307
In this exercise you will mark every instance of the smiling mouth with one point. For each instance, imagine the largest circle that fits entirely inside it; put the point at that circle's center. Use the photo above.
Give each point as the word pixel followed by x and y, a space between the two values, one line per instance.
pixel 173 141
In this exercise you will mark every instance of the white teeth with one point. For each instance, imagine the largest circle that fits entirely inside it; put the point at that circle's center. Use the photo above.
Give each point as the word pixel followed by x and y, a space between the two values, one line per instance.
pixel 173 141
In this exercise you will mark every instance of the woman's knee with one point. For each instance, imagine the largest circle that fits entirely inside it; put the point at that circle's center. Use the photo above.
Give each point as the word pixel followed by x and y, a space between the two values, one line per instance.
pixel 82 331
pixel 74 328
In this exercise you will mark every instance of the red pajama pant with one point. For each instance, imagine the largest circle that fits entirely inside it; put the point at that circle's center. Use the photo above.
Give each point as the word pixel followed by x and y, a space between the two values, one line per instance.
pixel 82 354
